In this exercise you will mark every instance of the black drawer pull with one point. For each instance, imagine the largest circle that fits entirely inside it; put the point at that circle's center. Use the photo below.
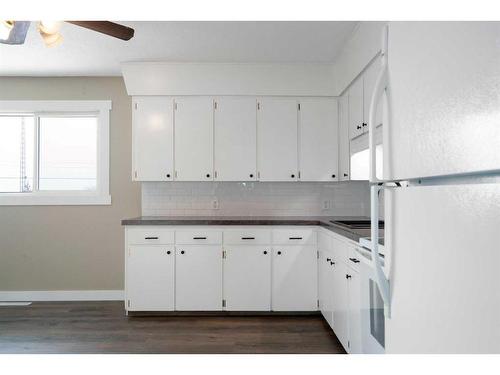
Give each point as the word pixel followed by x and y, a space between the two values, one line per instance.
pixel 199 238
pixel 248 238
pixel 294 238
pixel 354 260
pixel 279 252
pixel 348 276
pixel 332 263
pixel 265 252
pixel 328 259
pixel 168 252
pixel 150 238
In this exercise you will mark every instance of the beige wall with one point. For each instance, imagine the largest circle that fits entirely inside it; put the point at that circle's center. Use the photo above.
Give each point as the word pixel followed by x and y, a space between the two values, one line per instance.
pixel 71 247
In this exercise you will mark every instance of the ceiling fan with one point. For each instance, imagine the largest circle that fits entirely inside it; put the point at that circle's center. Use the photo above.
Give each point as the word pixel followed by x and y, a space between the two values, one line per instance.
pixel 14 32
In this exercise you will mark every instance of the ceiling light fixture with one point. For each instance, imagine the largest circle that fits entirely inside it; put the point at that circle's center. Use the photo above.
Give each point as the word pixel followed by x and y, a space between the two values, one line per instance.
pixel 49 30
pixel 5 29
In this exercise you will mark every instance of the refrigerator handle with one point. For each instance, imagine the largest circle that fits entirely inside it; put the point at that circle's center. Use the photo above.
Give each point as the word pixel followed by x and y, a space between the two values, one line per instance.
pixel 380 278
pixel 380 86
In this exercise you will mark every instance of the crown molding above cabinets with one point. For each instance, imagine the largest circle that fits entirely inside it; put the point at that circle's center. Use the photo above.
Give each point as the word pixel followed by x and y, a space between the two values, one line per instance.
pixel 178 79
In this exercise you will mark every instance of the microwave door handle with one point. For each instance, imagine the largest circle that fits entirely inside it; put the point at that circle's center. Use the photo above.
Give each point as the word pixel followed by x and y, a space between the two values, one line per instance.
pixel 380 86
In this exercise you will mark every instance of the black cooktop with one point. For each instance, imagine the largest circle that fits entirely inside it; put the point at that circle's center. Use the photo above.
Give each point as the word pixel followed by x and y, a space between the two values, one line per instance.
pixel 357 224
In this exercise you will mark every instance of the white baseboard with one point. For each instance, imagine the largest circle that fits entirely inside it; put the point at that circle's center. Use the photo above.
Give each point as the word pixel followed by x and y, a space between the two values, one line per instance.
pixel 62 295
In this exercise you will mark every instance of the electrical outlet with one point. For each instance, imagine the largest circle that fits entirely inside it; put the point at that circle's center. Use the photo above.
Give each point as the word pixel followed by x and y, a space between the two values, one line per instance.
pixel 215 204
pixel 326 205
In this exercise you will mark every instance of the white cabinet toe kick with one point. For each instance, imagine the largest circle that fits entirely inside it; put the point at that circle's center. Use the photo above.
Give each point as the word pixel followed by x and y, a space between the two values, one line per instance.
pixel 243 270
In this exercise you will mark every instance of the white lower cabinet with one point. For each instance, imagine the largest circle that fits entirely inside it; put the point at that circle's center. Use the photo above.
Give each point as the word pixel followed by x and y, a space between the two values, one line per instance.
pixel 198 278
pixel 341 306
pixel 247 278
pixel 354 293
pixel 294 278
pixel 150 278
pixel 325 285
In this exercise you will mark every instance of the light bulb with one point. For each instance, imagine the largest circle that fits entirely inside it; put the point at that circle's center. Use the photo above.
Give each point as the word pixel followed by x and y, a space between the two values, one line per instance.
pixel 49 30
pixel 49 27
pixel 5 29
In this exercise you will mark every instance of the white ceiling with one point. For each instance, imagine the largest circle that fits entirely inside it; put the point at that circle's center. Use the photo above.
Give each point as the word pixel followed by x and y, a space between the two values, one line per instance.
pixel 87 53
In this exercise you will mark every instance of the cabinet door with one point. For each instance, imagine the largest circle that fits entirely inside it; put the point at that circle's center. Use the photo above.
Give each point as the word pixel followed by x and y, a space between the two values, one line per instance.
pixel 277 139
pixel 247 278
pixel 198 278
pixel 150 278
pixel 356 109
pixel 295 278
pixel 194 139
pixel 354 313
pixel 325 285
pixel 344 150
pixel 341 305
pixel 153 145
pixel 235 152
pixel 369 79
pixel 318 139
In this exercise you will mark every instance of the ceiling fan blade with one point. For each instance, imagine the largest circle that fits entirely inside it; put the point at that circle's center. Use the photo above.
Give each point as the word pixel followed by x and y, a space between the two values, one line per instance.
pixel 105 27
pixel 18 33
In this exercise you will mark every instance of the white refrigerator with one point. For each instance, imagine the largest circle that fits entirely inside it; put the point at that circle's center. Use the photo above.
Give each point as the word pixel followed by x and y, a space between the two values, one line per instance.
pixel 440 84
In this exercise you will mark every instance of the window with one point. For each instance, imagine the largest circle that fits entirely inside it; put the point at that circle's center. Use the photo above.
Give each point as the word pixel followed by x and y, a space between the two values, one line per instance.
pixel 54 152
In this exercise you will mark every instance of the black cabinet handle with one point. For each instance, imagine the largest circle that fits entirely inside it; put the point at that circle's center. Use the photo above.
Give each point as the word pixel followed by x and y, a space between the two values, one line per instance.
pixel 150 238
pixel 347 276
pixel 168 175
pixel 199 238
pixel 265 252
pixel 279 252
pixel 345 174
pixel 332 263
pixel 358 127
pixel 354 260
pixel 182 251
pixel 333 176
pixel 208 175
pixel 365 124
pixel 292 176
pixel 328 259
pixel 168 252
pixel 248 238
pixel 251 175
pixel 294 238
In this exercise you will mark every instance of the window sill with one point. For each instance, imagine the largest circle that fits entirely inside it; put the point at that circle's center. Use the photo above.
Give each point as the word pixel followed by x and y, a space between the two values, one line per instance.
pixel 23 199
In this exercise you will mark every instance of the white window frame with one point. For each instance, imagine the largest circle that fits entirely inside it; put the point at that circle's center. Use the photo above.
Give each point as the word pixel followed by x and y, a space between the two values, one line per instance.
pixel 101 195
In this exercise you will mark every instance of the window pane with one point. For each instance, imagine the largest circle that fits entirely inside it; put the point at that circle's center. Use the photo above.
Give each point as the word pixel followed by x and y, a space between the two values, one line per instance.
pixel 68 153
pixel 16 153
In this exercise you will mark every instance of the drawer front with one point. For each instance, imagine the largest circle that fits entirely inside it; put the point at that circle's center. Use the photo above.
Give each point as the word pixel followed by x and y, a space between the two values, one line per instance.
pixel 149 236
pixel 202 236
pixel 353 259
pixel 247 237
pixel 294 237
pixel 324 241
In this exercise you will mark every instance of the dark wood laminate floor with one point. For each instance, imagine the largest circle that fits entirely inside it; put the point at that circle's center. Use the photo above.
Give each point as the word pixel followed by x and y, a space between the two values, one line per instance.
pixel 102 327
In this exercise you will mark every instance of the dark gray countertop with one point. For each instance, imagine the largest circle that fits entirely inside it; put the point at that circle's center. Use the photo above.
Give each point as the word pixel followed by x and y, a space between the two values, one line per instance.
pixel 323 221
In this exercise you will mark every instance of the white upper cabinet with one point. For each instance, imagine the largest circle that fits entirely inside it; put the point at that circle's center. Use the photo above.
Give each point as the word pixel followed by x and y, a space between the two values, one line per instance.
pixel 277 139
pixel 235 151
pixel 344 149
pixel 356 109
pixel 194 138
pixel 318 136
pixel 153 147
pixel 369 79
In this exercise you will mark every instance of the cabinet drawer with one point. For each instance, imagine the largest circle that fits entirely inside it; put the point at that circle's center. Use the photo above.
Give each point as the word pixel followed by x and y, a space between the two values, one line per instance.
pixel 353 258
pixel 201 236
pixel 294 237
pixel 145 236
pixel 247 237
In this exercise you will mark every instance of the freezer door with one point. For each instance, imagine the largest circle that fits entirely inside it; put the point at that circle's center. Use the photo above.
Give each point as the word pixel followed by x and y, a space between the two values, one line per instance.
pixel 444 269
pixel 444 98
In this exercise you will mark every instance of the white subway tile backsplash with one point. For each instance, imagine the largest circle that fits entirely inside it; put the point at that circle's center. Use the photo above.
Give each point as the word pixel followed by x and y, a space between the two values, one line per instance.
pixel 254 199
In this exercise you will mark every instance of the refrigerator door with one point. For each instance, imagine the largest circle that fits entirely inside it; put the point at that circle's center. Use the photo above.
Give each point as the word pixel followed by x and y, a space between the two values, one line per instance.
pixel 444 267
pixel 443 99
